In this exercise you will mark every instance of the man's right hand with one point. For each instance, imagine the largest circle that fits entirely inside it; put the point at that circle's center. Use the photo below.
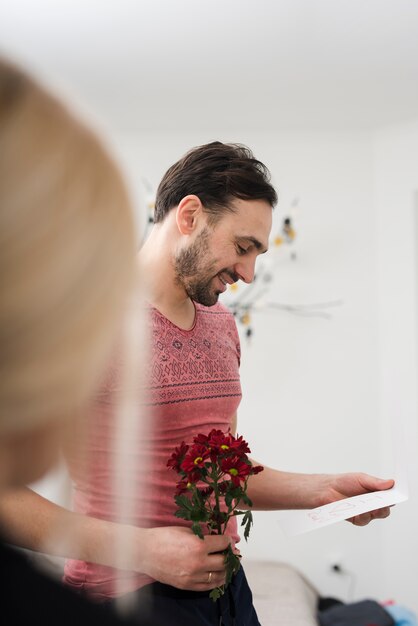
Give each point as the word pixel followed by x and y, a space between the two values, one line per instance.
pixel 176 556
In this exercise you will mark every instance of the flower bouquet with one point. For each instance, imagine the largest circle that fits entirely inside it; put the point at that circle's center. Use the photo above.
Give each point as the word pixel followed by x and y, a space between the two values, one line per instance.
pixel 214 472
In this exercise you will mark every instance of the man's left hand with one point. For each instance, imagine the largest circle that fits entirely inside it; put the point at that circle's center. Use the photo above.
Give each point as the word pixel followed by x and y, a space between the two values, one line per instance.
pixel 347 485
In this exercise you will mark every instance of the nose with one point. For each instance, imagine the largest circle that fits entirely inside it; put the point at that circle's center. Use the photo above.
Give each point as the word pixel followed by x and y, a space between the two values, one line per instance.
pixel 246 270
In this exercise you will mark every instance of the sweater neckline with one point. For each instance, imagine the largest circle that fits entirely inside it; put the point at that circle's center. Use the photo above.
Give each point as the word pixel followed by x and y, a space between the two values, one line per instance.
pixel 182 330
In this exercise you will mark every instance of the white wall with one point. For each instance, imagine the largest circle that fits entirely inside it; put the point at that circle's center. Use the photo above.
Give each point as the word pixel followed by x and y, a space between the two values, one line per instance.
pixel 396 185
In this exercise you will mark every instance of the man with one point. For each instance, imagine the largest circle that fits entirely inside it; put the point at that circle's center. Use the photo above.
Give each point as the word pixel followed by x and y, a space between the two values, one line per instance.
pixel 213 218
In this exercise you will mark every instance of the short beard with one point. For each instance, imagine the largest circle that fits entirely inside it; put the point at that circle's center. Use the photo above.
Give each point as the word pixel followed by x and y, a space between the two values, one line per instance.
pixel 192 274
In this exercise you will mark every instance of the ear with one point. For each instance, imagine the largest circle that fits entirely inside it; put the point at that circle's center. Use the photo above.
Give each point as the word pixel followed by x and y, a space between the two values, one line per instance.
pixel 188 214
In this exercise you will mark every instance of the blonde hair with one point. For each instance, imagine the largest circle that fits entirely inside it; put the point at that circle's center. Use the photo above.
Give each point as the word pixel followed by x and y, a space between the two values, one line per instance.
pixel 67 255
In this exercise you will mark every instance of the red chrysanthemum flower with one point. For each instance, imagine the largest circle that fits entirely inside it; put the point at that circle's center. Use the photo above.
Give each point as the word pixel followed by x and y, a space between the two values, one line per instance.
pixel 219 442
pixel 193 477
pixel 206 492
pixel 182 486
pixel 224 444
pixel 223 487
pixel 177 457
pixel 201 439
pixel 196 458
pixel 218 437
pixel 239 446
pixel 237 469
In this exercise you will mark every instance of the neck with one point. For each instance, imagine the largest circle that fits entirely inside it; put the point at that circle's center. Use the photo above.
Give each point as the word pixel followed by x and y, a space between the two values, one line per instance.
pixel 162 289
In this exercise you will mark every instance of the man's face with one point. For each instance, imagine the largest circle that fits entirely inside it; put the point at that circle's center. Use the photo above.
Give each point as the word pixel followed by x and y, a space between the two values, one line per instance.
pixel 224 253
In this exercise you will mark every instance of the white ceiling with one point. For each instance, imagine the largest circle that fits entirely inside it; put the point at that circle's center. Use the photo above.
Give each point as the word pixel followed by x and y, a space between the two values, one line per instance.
pixel 225 64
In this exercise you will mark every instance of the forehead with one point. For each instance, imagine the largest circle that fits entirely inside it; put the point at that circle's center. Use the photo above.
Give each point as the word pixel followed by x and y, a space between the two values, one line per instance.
pixel 250 219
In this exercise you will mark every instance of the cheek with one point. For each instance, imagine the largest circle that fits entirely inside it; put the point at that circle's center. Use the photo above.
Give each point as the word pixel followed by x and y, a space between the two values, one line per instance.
pixel 208 266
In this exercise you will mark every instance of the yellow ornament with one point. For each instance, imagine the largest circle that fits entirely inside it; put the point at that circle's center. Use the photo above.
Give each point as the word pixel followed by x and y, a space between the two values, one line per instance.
pixel 245 319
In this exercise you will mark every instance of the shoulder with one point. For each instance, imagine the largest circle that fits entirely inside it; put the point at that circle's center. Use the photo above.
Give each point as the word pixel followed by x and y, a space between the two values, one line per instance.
pixel 217 309
pixel 217 315
pixel 219 320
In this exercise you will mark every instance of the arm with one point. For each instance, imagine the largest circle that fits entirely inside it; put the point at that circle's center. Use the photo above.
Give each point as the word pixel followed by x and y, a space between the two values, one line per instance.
pixel 172 555
pixel 274 490
pixel 30 521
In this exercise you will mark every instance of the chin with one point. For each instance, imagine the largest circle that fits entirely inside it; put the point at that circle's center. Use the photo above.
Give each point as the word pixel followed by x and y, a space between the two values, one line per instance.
pixel 213 298
pixel 202 296
pixel 207 300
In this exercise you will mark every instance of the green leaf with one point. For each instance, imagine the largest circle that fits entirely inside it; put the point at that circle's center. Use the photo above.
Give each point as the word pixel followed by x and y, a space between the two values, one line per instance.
pixel 183 501
pixel 198 515
pixel 216 593
pixel 197 499
pixel 183 514
pixel 246 500
pixel 247 520
pixel 228 499
pixel 232 565
pixel 191 508
pixel 197 529
pixel 237 492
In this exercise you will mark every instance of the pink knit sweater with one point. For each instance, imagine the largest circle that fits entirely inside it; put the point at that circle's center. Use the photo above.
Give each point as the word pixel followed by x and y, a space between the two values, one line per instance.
pixel 192 386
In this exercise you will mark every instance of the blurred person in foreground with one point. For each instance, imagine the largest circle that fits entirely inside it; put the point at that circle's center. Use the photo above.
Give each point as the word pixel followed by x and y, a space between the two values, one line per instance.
pixel 67 270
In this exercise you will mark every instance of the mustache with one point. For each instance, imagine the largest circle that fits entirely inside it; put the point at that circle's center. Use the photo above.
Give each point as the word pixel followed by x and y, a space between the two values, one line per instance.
pixel 232 275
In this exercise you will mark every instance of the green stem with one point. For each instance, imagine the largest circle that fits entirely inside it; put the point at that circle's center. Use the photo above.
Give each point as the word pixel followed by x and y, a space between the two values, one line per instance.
pixel 230 515
pixel 214 475
pixel 232 509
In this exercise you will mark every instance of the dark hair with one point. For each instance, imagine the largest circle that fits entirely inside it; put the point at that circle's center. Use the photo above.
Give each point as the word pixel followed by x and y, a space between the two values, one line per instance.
pixel 216 173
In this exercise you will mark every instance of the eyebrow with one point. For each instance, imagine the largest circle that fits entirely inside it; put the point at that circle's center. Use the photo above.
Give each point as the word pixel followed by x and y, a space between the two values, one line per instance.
pixel 257 244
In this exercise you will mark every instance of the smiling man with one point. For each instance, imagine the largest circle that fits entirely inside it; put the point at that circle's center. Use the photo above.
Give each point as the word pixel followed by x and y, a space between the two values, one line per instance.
pixel 213 219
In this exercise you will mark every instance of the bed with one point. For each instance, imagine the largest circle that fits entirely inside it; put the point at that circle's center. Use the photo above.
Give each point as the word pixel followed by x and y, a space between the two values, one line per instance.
pixel 281 594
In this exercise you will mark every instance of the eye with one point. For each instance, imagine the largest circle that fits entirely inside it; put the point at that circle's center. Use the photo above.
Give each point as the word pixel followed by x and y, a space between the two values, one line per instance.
pixel 241 250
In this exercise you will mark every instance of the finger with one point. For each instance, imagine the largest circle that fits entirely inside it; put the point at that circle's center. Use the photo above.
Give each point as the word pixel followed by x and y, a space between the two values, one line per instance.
pixel 200 585
pixel 202 580
pixel 360 520
pixel 217 543
pixel 372 483
pixel 214 563
pixel 208 587
pixel 217 581
pixel 366 518
pixel 213 579
pixel 381 513
pixel 204 583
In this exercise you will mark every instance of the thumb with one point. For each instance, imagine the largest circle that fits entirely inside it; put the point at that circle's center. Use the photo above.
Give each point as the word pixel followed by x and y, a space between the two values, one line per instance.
pixel 372 483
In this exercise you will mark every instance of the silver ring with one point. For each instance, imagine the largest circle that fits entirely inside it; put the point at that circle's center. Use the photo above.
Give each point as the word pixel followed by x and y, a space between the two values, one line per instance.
pixel 209 577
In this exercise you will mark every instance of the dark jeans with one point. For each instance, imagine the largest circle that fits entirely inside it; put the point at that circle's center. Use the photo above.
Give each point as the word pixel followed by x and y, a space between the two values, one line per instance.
pixel 162 605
